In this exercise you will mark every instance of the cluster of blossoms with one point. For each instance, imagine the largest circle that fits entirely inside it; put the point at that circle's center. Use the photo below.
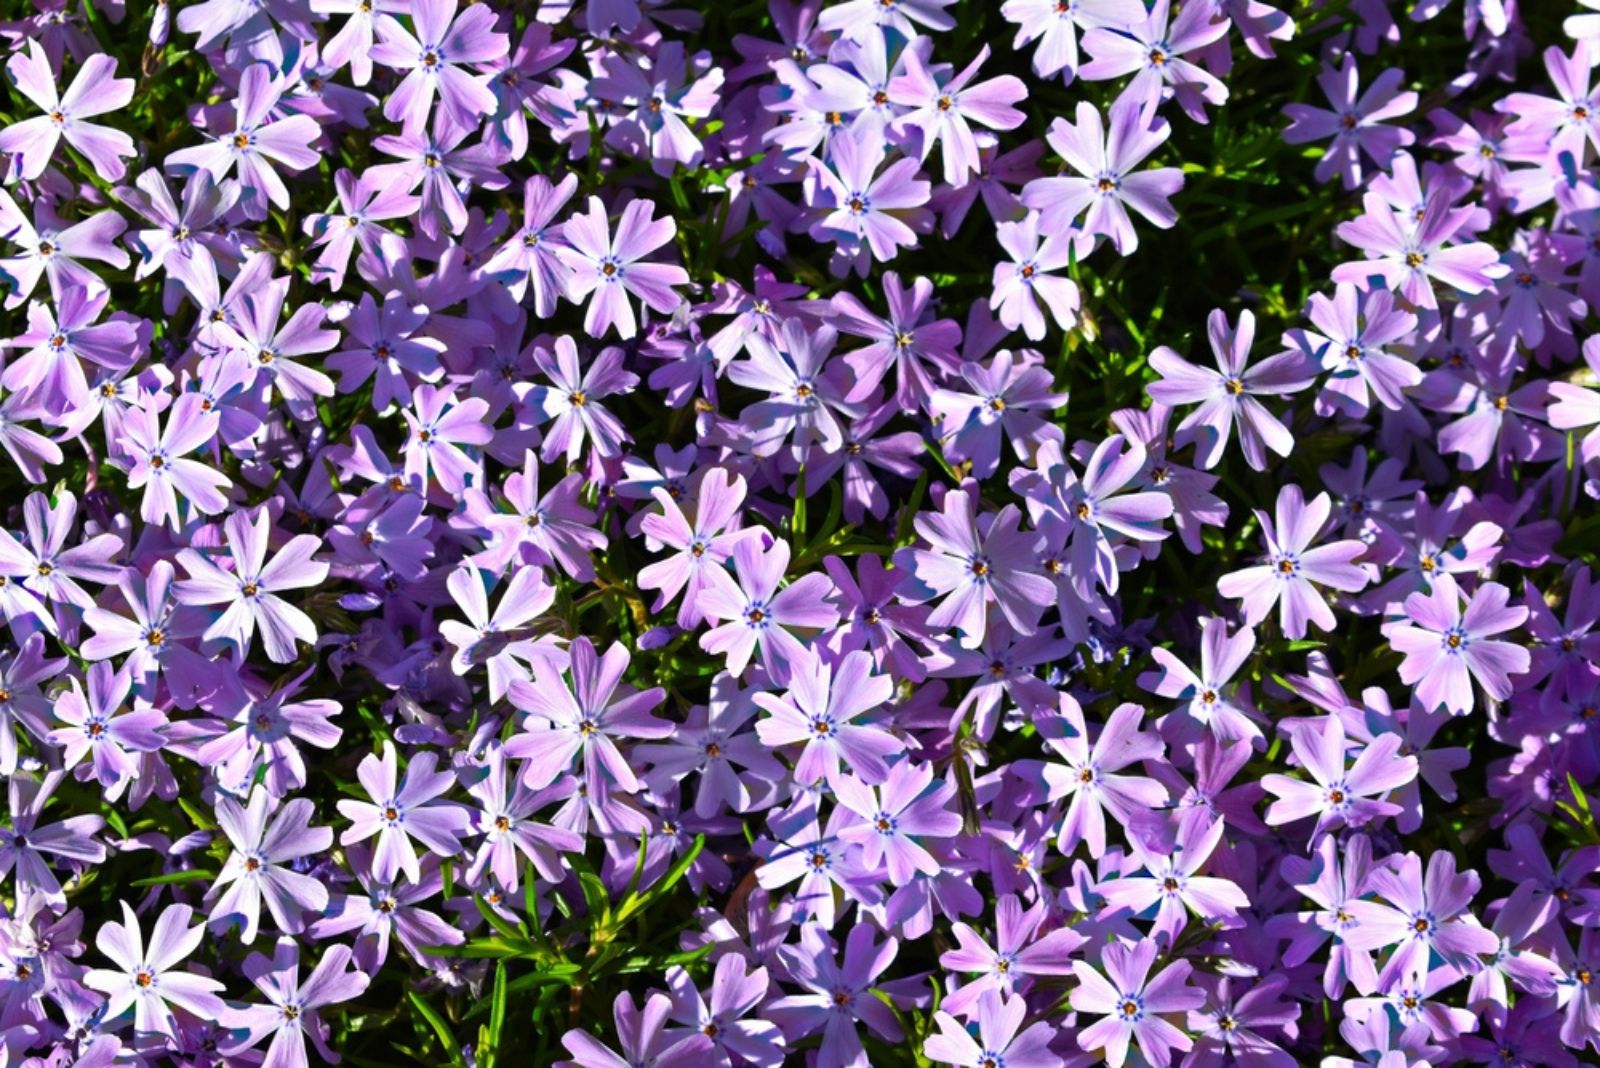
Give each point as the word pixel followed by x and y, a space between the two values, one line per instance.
pixel 478 471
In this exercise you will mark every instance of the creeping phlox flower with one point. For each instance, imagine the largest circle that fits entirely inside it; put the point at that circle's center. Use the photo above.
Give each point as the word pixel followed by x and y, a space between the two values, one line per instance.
pixel 640 535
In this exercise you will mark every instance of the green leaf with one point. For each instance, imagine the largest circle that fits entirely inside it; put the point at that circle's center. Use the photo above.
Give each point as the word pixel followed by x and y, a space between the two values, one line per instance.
pixel 1578 795
pixel 489 1052
pixel 478 949
pixel 193 875
pixel 510 932
pixel 636 902
pixel 595 895
pixel 452 1048
pixel 797 524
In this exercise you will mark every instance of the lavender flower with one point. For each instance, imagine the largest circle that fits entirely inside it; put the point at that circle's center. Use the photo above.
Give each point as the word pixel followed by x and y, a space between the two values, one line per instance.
pixel 1294 568
pixel 1447 649
pixel 147 977
pixel 1130 1003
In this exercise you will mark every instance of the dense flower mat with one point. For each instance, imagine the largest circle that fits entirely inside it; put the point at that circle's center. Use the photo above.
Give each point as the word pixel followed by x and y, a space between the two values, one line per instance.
pixel 903 532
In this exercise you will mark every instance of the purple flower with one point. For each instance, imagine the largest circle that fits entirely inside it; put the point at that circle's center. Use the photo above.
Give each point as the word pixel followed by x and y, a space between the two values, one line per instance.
pixel 942 113
pixel 402 807
pixel 551 529
pixel 1355 124
pixel 907 342
pixel 261 731
pixel 642 1036
pixel 757 615
pixel 872 618
pixel 860 208
pixel 250 592
pixel 393 351
pixel 1095 511
pixel 1333 879
pixel 974 564
pixel 363 204
pixel 1088 774
pixel 99 730
pixel 529 260
pixel 270 352
pixel 838 995
pixel 1026 280
pixel 584 718
pixel 24 846
pixel 892 817
pixel 1173 885
pixel 384 907
pixel 1107 183
pixel 999 1021
pixel 1228 394
pixel 1446 648
pixel 1294 569
pixel 714 743
pixel 729 1014
pixel 1409 254
pixel 1002 401
pixel 433 57
pixel 52 250
pixel 803 401
pixel 702 548
pixel 1229 719
pixel 813 855
pixel 94 91
pixel 818 712
pixel 25 705
pixel 1575 994
pixel 1055 26
pixel 440 426
pixel 255 870
pixel 857 18
pixel 50 372
pixel 255 143
pixel 290 1015
pixel 510 833
pixel 1337 796
pixel 45 567
pixel 1132 1004
pixel 1353 330
pixel 1561 124
pixel 149 978
pixel 572 400
pixel 1016 954
pixel 1152 51
pixel 1424 916
pixel 352 43
pixel 1229 1029
pixel 611 268
pixel 444 167
pixel 661 98
pixel 499 640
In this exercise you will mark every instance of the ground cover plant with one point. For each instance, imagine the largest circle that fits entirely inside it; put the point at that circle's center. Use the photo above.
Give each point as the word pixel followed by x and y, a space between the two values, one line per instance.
pixel 890 532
